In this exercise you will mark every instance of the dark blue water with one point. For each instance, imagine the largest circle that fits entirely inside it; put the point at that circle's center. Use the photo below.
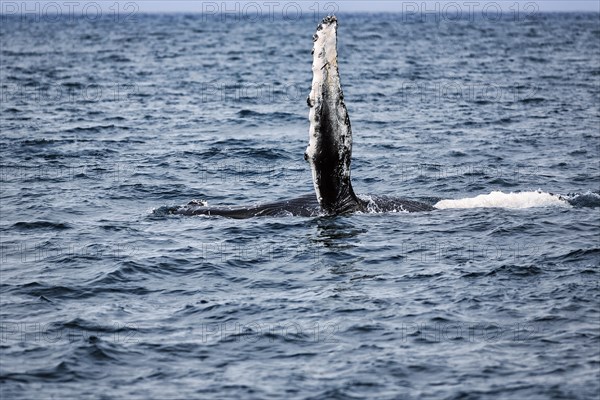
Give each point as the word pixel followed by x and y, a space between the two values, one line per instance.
pixel 104 121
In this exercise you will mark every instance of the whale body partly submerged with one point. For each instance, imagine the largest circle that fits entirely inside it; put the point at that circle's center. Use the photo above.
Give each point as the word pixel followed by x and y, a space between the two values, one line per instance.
pixel 329 154
pixel 329 151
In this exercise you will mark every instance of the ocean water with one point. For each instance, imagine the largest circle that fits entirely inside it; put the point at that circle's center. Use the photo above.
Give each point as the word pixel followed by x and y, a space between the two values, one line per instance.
pixel 106 120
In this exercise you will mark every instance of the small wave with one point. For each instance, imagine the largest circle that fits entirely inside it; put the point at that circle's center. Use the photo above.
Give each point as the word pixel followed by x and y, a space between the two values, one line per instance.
pixel 27 225
pixel 373 206
pixel 529 100
pixel 249 113
pixel 115 58
pixel 90 129
pixel 163 211
pixel 505 200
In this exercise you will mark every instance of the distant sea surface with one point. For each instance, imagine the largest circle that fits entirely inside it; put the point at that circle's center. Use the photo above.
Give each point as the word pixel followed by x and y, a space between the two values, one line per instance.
pixel 105 121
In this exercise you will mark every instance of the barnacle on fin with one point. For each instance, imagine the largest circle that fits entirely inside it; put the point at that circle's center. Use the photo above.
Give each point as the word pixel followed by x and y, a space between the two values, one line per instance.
pixel 329 19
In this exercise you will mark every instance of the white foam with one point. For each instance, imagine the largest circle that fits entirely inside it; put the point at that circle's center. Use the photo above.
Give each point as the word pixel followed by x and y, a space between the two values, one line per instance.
pixel 505 200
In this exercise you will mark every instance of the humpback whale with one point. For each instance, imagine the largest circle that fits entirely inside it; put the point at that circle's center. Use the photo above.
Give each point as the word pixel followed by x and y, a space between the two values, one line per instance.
pixel 329 151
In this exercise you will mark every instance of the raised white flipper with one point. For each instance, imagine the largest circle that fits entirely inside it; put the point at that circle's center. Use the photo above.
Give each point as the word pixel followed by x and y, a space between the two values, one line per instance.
pixel 329 151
